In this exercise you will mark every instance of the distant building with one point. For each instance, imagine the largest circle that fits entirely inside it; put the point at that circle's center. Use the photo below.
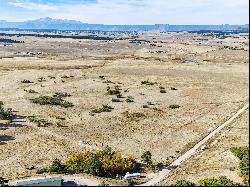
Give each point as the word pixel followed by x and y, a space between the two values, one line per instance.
pixel 39 181
pixel 132 176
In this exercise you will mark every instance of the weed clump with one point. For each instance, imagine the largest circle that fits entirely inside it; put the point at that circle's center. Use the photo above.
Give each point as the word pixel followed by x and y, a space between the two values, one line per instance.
pixel 130 99
pixel 174 106
pixel 56 99
pixel 104 108
pixel 115 91
pixel 172 88
pixel 148 83
pixel 5 114
pixel 25 81
pixel 40 122
pixel 41 79
pixel 30 91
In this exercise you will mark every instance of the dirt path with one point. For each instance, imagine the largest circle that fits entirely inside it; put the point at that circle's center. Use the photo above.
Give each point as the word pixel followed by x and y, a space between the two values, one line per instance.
pixel 162 174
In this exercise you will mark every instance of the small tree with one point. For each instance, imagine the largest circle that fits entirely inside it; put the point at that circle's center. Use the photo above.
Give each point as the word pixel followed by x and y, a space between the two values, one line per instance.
pixel 96 166
pixel 107 150
pixel 183 183
pixel 5 114
pixel 58 167
pixel 147 157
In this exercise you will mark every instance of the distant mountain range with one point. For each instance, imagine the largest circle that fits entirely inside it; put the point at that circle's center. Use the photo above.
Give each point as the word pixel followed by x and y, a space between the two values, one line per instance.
pixel 59 24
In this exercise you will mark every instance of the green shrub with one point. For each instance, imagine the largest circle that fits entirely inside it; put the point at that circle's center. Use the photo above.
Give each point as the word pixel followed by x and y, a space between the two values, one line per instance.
pixel 168 162
pixel 43 170
pixel 243 154
pixel 26 81
pixel 5 114
pixel 148 83
pixel 114 91
pixel 163 91
pixel 65 77
pixel 105 108
pixel 39 121
pixel 147 158
pixel 61 94
pixel 102 77
pixel 30 91
pixel 41 79
pixel 172 88
pixel 244 165
pixel 119 96
pixel 174 106
pixel 51 77
pixel 54 100
pixel 58 167
pixel 108 82
pixel 217 181
pixel 240 152
pixel 101 163
pixel 183 183
pixel 150 103
pixel 130 99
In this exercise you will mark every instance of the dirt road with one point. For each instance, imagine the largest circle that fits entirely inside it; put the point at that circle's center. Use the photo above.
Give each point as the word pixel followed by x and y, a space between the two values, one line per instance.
pixel 162 174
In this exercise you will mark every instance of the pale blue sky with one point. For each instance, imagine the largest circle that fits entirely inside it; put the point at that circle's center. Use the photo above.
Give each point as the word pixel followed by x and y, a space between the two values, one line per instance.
pixel 129 11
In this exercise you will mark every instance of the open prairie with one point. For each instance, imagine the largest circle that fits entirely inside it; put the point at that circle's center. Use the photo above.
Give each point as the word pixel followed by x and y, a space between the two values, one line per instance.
pixel 164 92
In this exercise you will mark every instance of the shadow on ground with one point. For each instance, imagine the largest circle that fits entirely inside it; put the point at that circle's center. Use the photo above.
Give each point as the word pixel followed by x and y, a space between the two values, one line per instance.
pixel 5 138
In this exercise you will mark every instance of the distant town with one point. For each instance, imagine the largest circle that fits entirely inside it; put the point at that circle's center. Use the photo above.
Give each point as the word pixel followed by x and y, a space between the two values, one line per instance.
pixel 60 24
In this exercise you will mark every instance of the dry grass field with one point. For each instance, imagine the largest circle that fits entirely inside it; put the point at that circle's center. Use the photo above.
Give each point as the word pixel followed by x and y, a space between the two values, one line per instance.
pixel 217 159
pixel 207 92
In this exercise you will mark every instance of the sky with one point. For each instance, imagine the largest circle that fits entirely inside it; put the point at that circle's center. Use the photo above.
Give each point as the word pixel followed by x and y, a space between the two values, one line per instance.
pixel 177 12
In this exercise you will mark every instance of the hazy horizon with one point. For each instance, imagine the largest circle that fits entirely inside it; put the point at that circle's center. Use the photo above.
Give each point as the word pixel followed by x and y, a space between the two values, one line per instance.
pixel 117 24
pixel 130 12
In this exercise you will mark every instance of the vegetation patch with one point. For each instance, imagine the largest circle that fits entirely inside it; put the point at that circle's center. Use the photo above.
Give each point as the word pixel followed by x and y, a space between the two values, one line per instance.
pixel 115 91
pixel 172 88
pixel 41 79
pixel 30 91
pixel 174 106
pixel 104 108
pixel 148 83
pixel 56 99
pixel 147 158
pixel 183 183
pixel 26 81
pixel 108 82
pixel 214 181
pixel 39 121
pixel 130 99
pixel 5 114
pixel 217 181
pixel 102 163
pixel 243 154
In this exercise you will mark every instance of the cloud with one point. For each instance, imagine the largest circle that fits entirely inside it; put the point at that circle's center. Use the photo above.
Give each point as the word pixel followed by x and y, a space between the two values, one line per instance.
pixel 34 6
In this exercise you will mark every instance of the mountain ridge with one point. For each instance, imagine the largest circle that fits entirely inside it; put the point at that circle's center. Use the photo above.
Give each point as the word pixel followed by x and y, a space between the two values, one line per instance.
pixel 64 24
